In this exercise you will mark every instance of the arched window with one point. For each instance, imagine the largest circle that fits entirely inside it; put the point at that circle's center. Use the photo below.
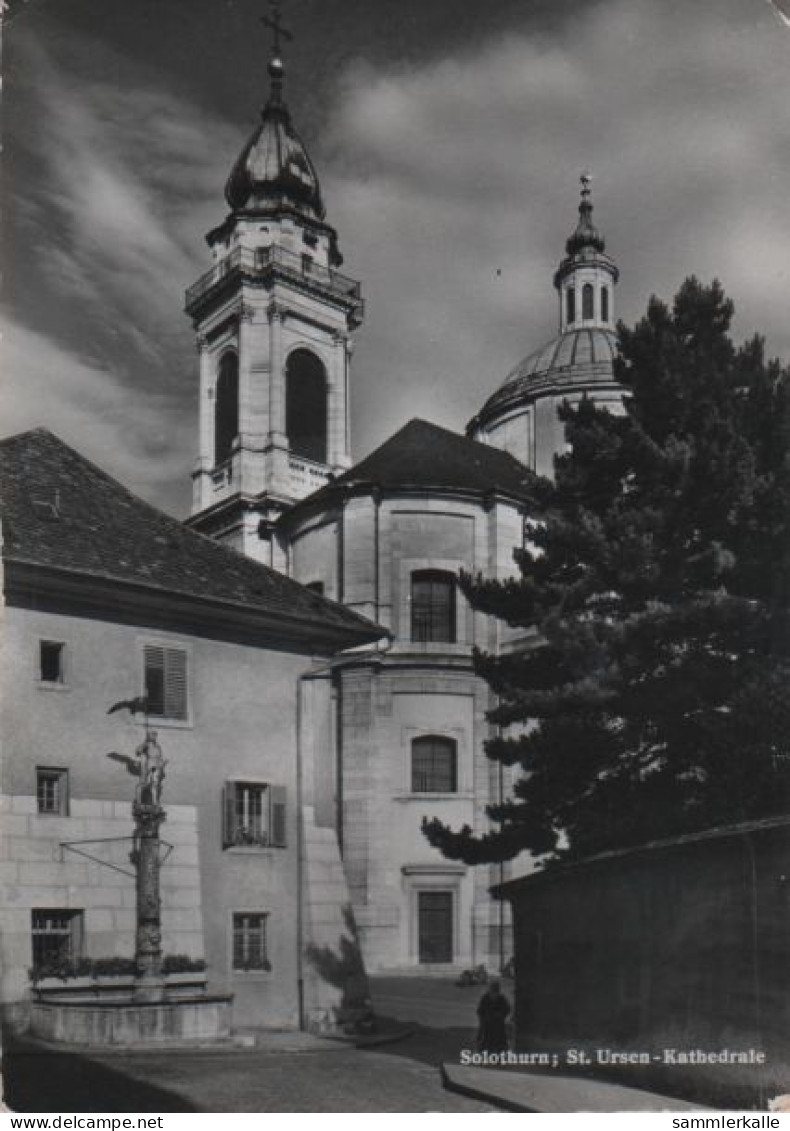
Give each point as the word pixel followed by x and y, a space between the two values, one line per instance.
pixel 434 765
pixel 226 407
pixel 604 304
pixel 305 405
pixel 587 301
pixel 433 606
pixel 570 305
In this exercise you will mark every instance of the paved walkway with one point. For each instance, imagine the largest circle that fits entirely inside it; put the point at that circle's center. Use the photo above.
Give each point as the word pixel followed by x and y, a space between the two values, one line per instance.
pixel 329 1078
pixel 551 1094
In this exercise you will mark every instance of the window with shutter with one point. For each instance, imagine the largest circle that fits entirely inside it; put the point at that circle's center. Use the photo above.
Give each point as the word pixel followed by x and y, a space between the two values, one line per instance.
pixel 254 814
pixel 166 681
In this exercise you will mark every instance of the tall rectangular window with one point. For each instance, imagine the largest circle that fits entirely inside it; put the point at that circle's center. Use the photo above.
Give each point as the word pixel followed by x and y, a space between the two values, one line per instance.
pixel 165 681
pixel 249 941
pixel 57 936
pixel 52 791
pixel 434 765
pixel 433 606
pixel 51 656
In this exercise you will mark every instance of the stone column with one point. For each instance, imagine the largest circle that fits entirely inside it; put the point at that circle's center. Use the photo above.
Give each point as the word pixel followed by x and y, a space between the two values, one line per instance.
pixel 148 941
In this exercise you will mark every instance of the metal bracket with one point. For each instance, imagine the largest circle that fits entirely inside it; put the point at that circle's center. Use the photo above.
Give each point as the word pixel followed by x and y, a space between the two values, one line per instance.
pixel 69 846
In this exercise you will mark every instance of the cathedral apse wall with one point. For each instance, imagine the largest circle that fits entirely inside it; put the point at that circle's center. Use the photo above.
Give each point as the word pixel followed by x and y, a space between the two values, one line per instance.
pixel 412 717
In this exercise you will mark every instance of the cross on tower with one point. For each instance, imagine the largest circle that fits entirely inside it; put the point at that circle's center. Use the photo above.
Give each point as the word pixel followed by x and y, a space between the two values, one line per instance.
pixel 585 179
pixel 274 21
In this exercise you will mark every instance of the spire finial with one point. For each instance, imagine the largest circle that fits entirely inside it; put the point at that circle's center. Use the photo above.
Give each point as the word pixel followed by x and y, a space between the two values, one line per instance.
pixel 276 67
pixel 586 180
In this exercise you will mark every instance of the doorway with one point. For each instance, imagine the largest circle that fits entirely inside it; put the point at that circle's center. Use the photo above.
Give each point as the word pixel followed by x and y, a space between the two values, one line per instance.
pixel 435 926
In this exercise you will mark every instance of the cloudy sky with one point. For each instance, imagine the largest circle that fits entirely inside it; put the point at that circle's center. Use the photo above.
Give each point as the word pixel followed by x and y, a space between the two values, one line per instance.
pixel 449 137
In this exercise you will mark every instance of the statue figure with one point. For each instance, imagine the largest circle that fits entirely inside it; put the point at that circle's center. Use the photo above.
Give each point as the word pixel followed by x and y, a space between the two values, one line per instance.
pixel 148 765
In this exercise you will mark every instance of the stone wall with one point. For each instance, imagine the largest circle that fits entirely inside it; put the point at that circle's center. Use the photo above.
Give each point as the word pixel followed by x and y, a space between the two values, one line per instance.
pixel 679 946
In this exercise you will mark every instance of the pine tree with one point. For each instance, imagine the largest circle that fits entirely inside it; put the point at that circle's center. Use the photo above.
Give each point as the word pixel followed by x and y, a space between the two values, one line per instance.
pixel 656 698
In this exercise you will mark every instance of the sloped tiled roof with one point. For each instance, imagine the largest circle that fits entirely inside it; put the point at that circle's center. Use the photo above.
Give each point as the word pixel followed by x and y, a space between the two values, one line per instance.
pixel 423 455
pixel 62 512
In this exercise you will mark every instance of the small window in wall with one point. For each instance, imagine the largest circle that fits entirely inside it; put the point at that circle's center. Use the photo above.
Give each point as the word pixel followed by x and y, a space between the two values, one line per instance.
pixel 226 407
pixel 57 935
pixel 306 405
pixel 588 298
pixel 604 304
pixel 52 654
pixel 52 791
pixel 433 606
pixel 434 765
pixel 253 815
pixel 165 681
pixel 249 941
pixel 570 305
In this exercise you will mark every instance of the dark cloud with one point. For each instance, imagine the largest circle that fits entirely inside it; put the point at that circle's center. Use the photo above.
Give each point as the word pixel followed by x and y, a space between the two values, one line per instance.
pixel 449 142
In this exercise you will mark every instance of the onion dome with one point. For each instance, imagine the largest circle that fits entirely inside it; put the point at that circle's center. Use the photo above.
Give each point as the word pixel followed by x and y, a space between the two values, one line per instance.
pixel 585 247
pixel 586 234
pixel 274 170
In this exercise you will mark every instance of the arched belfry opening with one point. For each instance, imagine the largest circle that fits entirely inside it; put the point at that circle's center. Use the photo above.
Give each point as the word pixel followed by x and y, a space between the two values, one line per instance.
pixel 226 406
pixel 306 405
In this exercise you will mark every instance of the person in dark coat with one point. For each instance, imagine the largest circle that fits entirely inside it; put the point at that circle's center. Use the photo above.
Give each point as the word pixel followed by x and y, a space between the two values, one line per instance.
pixel 493 1010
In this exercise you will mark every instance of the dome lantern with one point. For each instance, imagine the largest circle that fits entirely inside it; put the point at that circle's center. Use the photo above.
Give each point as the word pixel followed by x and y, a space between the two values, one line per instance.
pixel 587 276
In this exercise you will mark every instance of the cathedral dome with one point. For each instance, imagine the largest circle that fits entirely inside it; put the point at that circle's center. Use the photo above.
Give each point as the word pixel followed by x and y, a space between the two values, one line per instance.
pixel 578 359
pixel 274 169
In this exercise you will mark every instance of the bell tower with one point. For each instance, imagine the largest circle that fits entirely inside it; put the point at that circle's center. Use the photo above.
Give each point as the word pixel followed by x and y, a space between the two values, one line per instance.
pixel 273 317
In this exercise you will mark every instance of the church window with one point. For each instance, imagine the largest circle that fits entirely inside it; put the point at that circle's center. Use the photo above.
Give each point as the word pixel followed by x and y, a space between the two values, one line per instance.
pixel 604 304
pixel 570 305
pixel 52 791
pixel 433 606
pixel 249 941
pixel 57 936
pixel 434 765
pixel 165 681
pixel 253 814
pixel 306 406
pixel 587 301
pixel 226 407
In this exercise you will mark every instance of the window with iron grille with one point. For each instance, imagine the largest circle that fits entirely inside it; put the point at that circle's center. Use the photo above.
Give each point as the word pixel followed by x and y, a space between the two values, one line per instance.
pixel 254 815
pixel 433 606
pixel 434 765
pixel 165 681
pixel 52 791
pixel 57 936
pixel 249 941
